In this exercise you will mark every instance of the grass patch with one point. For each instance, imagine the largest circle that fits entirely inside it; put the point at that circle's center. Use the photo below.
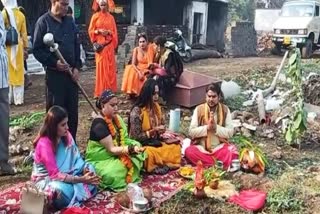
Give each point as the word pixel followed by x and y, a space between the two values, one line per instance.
pixel 184 202
pixel 310 66
pixel 235 102
pixel 287 194
pixel 260 78
pixel 26 169
pixel 27 121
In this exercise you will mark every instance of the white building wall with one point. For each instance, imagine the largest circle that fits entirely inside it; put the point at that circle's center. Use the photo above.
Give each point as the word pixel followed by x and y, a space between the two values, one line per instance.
pixel 197 7
pixel 134 11
pixel 137 11
pixel 71 4
pixel 265 18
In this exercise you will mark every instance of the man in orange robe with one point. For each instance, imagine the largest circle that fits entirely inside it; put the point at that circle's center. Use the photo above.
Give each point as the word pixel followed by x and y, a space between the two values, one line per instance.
pixel 103 31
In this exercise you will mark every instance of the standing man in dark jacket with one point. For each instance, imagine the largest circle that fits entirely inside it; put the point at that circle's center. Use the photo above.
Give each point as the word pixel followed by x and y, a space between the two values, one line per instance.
pixel 61 87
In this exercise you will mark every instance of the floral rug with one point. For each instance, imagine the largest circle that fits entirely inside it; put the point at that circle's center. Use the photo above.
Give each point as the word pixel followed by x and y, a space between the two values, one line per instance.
pixel 163 186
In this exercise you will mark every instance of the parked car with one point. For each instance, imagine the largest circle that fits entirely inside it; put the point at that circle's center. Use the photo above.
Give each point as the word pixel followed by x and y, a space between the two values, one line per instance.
pixel 298 25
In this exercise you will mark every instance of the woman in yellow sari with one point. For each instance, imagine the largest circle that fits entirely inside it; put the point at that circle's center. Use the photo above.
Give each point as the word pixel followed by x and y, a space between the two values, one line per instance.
pixel 146 125
pixel 12 16
pixel 103 31
pixel 135 73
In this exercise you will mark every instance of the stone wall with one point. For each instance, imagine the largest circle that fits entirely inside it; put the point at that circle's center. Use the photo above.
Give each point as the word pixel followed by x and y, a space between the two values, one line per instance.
pixel 151 30
pixel 162 30
pixel 241 39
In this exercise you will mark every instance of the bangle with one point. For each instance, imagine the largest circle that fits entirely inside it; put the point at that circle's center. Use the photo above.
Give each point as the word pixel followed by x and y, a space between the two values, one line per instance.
pixel 123 150
pixel 148 134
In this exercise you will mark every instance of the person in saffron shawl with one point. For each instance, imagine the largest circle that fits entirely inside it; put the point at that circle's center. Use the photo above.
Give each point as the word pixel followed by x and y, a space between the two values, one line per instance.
pixel 210 127
pixel 117 158
pixel 14 17
pixel 103 30
pixel 135 73
pixel 58 168
pixel 146 125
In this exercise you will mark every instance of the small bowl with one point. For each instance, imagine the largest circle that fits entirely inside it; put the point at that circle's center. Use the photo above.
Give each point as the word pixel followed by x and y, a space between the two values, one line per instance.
pixel 140 205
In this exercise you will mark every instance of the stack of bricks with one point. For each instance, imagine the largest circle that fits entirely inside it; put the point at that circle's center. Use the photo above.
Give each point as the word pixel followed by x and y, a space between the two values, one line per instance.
pixel 241 39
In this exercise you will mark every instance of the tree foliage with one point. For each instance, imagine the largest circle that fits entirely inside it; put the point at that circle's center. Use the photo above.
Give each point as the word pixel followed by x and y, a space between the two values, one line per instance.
pixel 241 10
pixel 298 121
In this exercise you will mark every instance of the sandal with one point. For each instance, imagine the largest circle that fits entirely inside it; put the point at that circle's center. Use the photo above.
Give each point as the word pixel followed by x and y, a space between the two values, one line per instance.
pixel 161 170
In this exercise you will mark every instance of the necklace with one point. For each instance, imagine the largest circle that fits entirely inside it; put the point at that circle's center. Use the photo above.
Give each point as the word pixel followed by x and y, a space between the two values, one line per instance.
pixel 115 128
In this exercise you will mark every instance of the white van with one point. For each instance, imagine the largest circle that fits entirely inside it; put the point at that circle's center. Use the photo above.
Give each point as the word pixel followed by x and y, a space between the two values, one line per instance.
pixel 298 24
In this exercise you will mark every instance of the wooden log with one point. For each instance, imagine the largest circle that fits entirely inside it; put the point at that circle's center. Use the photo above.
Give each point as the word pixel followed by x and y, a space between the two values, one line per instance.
pixel 205 54
pixel 261 108
pixel 272 87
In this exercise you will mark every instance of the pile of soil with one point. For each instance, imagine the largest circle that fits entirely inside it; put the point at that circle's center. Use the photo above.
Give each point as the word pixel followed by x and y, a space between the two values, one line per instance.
pixel 311 90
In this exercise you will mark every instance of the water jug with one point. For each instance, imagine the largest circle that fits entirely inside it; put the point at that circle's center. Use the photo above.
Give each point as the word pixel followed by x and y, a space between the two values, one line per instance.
pixel 174 122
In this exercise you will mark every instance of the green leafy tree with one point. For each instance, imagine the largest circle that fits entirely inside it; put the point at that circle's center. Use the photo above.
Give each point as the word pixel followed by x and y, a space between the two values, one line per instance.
pixel 241 10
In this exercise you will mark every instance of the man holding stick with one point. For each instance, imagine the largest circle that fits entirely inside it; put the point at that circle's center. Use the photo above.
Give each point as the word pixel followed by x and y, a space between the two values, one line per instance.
pixel 62 89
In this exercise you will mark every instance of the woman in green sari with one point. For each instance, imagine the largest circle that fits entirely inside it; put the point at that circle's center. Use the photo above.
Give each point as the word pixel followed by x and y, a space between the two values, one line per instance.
pixel 116 158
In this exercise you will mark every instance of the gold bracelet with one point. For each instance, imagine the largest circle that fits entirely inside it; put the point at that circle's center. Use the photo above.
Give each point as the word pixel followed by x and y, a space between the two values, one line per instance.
pixel 122 149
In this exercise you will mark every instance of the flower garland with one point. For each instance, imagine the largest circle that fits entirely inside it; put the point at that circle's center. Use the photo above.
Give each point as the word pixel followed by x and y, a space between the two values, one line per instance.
pixel 124 158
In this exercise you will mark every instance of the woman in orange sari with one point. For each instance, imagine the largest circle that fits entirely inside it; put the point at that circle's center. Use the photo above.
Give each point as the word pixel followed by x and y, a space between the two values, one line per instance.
pixel 103 31
pixel 135 73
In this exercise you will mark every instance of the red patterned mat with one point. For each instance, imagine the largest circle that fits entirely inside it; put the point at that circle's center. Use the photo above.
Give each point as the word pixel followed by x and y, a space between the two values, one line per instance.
pixel 164 187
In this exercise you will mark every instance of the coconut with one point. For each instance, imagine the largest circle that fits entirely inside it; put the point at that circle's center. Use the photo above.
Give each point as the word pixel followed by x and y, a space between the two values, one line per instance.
pixel 214 184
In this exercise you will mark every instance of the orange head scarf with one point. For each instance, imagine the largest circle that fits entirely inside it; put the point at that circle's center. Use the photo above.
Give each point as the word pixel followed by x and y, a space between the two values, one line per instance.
pixel 95 5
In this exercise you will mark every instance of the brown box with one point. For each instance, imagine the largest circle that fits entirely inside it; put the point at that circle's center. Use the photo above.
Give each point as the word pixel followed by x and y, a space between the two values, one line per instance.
pixel 191 89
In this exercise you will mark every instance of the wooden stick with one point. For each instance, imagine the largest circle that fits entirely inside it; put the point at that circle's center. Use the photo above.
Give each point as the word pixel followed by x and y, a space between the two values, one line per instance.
pixel 267 91
pixel 59 55
pixel 261 108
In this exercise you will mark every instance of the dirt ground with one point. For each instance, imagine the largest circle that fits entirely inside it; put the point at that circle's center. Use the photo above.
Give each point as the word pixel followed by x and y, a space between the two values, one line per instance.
pixel 218 68
pixel 291 165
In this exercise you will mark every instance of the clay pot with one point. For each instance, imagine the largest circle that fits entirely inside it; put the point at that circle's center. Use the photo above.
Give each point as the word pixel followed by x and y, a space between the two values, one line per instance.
pixel 123 199
pixel 214 184
pixel 199 193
